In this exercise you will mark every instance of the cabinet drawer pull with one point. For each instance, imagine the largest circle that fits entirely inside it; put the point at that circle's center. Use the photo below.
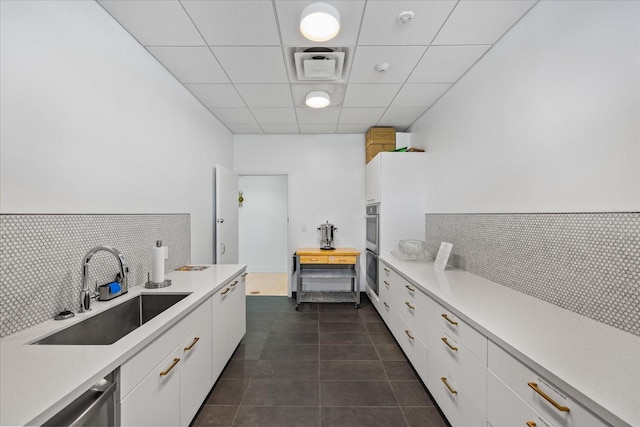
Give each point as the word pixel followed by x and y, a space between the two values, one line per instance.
pixel 175 362
pixel 408 334
pixel 234 283
pixel 453 322
pixel 195 340
pixel 387 270
pixel 244 275
pixel 410 288
pixel 531 424
pixel 409 305
pixel 444 340
pixel 535 388
pixel 385 304
pixel 225 291
pixel 387 283
pixel 451 390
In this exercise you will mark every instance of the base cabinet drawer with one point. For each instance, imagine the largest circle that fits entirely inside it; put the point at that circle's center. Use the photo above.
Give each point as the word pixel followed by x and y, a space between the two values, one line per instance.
pixel 506 409
pixel 451 399
pixel 413 347
pixel 554 404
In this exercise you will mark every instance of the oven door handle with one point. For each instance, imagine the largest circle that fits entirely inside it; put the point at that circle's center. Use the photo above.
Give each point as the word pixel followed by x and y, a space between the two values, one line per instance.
pixel 95 406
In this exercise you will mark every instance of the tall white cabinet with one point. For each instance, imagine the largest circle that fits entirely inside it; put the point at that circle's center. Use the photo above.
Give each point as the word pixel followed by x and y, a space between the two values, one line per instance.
pixel 397 182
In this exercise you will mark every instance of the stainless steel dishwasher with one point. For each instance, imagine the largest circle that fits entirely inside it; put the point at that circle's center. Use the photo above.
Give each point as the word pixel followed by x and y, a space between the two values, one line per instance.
pixel 95 407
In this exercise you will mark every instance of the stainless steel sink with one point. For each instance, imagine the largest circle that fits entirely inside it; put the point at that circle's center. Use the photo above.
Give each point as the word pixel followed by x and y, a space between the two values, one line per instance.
pixel 111 325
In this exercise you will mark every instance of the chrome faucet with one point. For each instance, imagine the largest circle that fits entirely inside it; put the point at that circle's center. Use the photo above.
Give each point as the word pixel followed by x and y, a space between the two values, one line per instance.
pixel 85 295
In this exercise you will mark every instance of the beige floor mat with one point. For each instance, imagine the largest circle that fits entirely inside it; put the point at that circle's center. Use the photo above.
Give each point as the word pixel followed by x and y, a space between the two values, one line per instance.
pixel 267 284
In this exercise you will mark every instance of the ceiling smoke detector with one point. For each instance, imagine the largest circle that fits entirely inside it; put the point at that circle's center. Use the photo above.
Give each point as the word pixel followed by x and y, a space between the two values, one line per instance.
pixel 382 67
pixel 406 16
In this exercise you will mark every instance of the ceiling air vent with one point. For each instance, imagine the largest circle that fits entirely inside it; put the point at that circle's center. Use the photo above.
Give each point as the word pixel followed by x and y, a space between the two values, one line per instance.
pixel 319 64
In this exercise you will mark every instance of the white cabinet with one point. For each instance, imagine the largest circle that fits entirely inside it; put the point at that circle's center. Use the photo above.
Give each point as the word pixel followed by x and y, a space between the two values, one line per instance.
pixel 228 313
pixel 152 383
pixel 541 396
pixel 397 182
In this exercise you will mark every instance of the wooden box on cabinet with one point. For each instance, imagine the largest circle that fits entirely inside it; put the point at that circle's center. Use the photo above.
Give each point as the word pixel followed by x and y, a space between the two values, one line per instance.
pixel 379 139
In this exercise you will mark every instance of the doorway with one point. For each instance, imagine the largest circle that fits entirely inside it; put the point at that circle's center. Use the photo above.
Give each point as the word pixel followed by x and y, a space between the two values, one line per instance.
pixel 263 233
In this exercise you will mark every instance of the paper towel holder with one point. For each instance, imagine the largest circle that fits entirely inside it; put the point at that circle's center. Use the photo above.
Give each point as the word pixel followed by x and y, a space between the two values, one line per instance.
pixel 153 285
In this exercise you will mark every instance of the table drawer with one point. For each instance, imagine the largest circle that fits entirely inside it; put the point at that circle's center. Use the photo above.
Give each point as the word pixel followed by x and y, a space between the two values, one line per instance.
pixel 342 259
pixel 469 337
pixel 314 259
pixel 533 388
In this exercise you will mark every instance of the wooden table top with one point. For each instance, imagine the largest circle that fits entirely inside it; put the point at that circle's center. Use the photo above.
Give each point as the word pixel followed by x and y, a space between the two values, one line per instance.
pixel 329 252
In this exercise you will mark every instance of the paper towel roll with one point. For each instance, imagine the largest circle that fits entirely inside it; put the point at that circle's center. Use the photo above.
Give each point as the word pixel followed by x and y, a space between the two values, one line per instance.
pixel 157 272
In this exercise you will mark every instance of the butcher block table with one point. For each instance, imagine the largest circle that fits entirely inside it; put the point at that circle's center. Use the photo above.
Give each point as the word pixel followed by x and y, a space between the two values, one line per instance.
pixel 328 265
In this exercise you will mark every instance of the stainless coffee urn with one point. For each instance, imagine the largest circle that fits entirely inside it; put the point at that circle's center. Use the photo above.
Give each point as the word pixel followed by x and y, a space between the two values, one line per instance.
pixel 326 238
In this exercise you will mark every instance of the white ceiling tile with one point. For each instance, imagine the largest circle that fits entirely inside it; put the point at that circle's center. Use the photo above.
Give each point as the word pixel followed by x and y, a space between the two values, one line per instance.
pixel 250 129
pixel 323 116
pixel 155 23
pixel 442 64
pixel 370 95
pixel 289 20
pixel 400 118
pixel 419 94
pixel 361 115
pixel 252 64
pixel 335 90
pixel 216 95
pixel 235 23
pixel 190 64
pixel 266 95
pixel 381 25
pixel 272 116
pixel 402 59
pixel 312 128
pixel 234 115
pixel 481 21
pixel 345 128
pixel 278 129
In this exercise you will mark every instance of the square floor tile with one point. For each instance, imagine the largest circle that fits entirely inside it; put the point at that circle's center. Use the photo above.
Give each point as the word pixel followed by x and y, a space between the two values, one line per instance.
pixel 390 352
pixel 357 393
pixel 362 417
pixel 248 351
pixel 344 338
pixel 399 370
pixel 285 369
pixel 352 370
pixel 343 327
pixel 411 393
pixel 424 417
pixel 228 392
pixel 293 326
pixel 384 338
pixel 339 317
pixel 290 352
pixel 287 338
pixel 270 416
pixel 348 352
pixel 255 337
pixel 376 327
pixel 282 393
pixel 215 416
pixel 238 369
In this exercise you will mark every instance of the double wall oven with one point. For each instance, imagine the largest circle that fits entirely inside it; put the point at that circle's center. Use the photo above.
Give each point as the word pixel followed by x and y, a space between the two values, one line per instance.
pixel 373 246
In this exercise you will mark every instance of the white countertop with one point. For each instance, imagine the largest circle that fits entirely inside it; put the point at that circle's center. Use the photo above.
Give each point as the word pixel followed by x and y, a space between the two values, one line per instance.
pixel 597 364
pixel 36 381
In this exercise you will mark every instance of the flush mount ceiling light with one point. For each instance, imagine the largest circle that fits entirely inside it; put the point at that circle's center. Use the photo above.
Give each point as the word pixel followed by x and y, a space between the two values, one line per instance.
pixel 320 22
pixel 317 99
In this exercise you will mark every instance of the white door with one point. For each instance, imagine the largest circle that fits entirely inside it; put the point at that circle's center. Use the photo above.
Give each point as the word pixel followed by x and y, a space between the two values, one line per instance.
pixel 226 216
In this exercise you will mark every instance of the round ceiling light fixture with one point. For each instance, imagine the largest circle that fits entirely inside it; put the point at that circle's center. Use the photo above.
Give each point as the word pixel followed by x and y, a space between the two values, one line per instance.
pixel 320 22
pixel 317 99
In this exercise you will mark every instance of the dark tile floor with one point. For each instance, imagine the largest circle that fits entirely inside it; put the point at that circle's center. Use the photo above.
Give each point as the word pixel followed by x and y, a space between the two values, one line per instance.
pixel 323 366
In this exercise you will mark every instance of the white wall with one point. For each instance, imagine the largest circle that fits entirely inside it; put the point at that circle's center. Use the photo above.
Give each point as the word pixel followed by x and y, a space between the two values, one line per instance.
pixel 263 224
pixel 547 121
pixel 92 123
pixel 326 182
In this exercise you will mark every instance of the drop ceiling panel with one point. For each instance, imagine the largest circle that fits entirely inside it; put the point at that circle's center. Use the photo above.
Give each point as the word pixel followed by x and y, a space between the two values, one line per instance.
pixel 216 95
pixel 345 128
pixel 402 60
pixel 250 129
pixel 381 25
pixel 360 115
pixel 419 94
pixel 252 64
pixel 155 23
pixel 481 21
pixel 317 116
pixel 442 64
pixel 275 116
pixel 370 95
pixel 234 115
pixel 289 19
pixel 400 118
pixel 190 64
pixel 235 23
pixel 276 129
pixel 311 128
pixel 266 95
